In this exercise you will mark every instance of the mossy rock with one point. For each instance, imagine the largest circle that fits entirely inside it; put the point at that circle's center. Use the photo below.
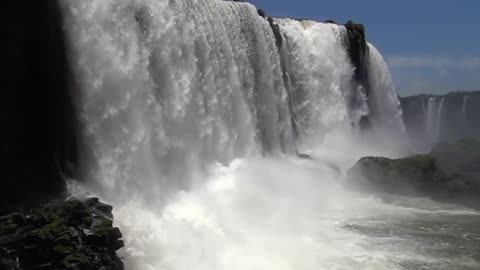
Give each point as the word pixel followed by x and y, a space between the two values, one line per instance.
pixel 410 175
pixel 56 227
pixel 8 228
pixel 59 236
pixel 63 249
pixel 76 261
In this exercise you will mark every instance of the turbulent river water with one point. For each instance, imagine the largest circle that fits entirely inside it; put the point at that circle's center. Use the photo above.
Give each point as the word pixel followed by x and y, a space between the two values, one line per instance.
pixel 287 213
pixel 192 116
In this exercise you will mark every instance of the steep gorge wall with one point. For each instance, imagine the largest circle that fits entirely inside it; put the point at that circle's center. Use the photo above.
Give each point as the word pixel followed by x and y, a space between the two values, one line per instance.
pixel 433 118
pixel 37 142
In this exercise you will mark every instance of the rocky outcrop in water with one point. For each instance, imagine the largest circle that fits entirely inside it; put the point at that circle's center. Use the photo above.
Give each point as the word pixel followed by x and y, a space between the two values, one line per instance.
pixel 449 171
pixel 72 234
pixel 401 176
pixel 433 118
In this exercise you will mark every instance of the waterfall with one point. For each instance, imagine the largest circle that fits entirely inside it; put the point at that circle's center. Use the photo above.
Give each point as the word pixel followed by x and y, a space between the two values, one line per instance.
pixel 433 119
pixel 438 120
pixel 191 112
pixel 465 114
pixel 386 112
pixel 168 87
pixel 322 78
pixel 429 124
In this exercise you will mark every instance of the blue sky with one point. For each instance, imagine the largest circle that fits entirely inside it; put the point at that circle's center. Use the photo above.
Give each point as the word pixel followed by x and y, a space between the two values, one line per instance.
pixel 431 46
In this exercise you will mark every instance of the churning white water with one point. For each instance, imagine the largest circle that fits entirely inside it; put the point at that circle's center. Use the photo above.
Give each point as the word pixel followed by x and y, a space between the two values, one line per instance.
pixel 321 76
pixel 191 117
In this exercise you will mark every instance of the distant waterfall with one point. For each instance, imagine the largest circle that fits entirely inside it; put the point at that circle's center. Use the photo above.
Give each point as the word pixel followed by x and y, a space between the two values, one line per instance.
pixel 386 112
pixel 434 120
pixel 430 119
pixel 464 112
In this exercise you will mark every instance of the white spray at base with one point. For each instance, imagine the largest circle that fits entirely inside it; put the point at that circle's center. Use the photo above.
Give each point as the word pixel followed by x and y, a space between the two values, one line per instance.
pixel 282 214
pixel 188 118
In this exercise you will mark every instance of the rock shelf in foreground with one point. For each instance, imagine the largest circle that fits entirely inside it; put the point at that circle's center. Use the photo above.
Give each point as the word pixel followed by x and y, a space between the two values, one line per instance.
pixel 70 234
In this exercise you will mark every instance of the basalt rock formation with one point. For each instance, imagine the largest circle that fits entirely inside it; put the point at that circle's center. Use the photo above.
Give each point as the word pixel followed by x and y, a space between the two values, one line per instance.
pixel 450 171
pixel 71 234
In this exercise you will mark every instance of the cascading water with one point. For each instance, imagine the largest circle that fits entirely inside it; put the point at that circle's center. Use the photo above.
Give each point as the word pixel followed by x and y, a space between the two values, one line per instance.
pixel 321 76
pixel 433 119
pixel 464 113
pixel 438 121
pixel 187 107
pixel 386 112
pixel 171 86
pixel 430 119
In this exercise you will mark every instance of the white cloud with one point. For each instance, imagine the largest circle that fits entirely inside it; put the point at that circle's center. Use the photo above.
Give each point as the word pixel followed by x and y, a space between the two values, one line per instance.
pixel 428 61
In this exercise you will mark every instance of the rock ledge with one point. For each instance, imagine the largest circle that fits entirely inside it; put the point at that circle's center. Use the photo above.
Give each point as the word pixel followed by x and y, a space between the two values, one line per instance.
pixel 70 234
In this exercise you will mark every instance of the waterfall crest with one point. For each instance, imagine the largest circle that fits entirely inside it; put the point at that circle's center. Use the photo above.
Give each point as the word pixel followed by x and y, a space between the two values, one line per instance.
pixel 385 109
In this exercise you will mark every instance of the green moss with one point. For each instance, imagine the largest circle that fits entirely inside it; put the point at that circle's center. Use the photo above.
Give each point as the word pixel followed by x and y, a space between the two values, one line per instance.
pixel 24 229
pixel 17 218
pixel 56 227
pixel 64 239
pixel 62 249
pixel 104 228
pixel 77 258
pixel 7 228
pixel 37 233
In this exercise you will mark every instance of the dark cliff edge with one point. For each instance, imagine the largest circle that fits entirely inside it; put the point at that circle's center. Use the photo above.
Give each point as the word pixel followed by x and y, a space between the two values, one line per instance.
pixel 435 118
pixel 356 44
pixel 39 150
pixel 38 147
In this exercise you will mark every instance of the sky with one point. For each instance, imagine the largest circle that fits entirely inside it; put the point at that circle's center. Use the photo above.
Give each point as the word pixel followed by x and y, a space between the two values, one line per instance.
pixel 431 46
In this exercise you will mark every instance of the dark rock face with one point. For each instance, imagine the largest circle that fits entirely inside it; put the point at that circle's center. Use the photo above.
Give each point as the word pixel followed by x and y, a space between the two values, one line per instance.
pixel 399 176
pixel 450 171
pixel 61 235
pixel 430 119
pixel 460 164
pixel 37 142
pixel 276 32
pixel 357 48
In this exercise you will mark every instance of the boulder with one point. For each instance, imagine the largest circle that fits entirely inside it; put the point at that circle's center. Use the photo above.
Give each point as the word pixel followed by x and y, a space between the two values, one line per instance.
pixel 70 234
pixel 450 171
pixel 400 176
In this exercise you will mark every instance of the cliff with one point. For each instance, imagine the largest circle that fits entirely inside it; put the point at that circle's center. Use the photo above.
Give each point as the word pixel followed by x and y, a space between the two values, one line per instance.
pixel 434 118
pixel 38 144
